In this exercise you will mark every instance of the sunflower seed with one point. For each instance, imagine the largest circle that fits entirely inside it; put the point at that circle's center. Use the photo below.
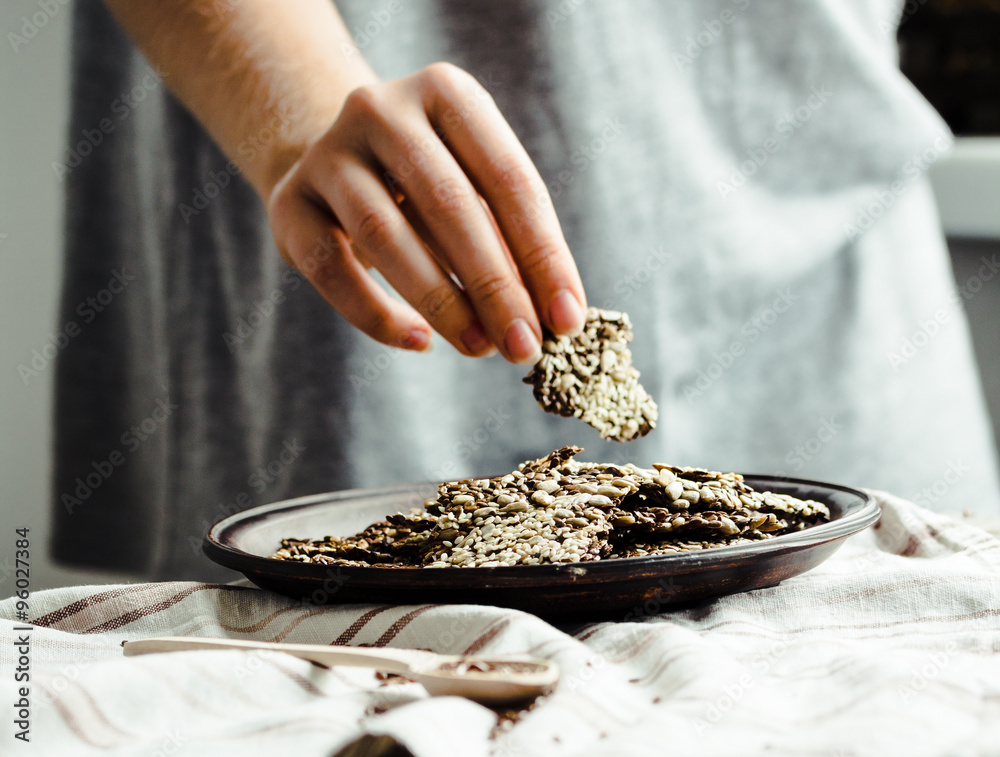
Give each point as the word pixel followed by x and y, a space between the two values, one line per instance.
pixel 550 510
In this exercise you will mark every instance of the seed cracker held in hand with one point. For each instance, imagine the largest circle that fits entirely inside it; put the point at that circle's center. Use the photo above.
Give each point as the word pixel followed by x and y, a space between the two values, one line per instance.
pixel 591 377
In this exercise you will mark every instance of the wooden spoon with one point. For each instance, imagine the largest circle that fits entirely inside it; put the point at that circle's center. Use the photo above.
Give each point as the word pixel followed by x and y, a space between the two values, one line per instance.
pixel 481 679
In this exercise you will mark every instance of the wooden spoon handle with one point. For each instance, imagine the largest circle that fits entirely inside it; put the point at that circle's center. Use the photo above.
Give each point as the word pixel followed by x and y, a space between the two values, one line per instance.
pixel 402 661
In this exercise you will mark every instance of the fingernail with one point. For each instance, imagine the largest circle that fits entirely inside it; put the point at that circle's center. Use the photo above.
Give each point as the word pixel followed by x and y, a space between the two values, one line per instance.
pixel 565 313
pixel 475 339
pixel 522 344
pixel 417 340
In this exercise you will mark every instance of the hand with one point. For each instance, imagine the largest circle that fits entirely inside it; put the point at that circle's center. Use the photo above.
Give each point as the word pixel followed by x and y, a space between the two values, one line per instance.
pixel 422 178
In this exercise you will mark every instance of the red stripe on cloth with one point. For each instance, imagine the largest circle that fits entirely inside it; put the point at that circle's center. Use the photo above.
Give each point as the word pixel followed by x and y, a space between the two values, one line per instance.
pixel 74 724
pixel 55 618
pixel 99 713
pixel 487 636
pixel 400 624
pixel 288 629
pixel 862 625
pixel 636 648
pixel 299 680
pixel 259 624
pixel 357 625
pixel 142 612
pixel 593 629
pixel 74 607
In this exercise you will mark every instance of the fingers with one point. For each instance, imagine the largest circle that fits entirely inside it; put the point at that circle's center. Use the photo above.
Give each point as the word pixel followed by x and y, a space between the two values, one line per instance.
pixel 476 338
pixel 311 241
pixel 426 237
pixel 490 154
pixel 476 249
pixel 463 232
pixel 375 224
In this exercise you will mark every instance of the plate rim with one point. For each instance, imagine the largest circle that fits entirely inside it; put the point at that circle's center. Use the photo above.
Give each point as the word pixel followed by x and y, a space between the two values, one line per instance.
pixel 236 559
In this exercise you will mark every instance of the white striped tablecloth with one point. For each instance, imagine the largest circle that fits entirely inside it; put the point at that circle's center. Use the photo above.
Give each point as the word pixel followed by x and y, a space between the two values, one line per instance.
pixel 890 647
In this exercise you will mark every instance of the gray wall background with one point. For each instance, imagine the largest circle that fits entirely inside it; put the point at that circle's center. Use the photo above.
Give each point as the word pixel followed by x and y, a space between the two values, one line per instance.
pixel 34 82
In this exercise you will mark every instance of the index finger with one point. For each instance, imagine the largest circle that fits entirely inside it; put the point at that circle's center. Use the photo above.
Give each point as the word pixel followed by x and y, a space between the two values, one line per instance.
pixel 493 158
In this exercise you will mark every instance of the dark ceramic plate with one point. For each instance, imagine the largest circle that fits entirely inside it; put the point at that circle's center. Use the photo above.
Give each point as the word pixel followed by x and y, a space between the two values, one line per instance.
pixel 624 588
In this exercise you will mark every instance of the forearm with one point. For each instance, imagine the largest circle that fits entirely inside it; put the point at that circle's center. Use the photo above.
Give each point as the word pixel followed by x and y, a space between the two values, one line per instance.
pixel 271 79
pixel 266 79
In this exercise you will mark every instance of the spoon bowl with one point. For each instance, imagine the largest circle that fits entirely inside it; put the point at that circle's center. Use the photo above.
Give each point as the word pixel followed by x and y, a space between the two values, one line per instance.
pixel 491 680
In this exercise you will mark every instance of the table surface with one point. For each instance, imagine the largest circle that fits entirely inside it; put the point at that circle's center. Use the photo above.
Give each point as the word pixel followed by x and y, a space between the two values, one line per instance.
pixel 892 646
